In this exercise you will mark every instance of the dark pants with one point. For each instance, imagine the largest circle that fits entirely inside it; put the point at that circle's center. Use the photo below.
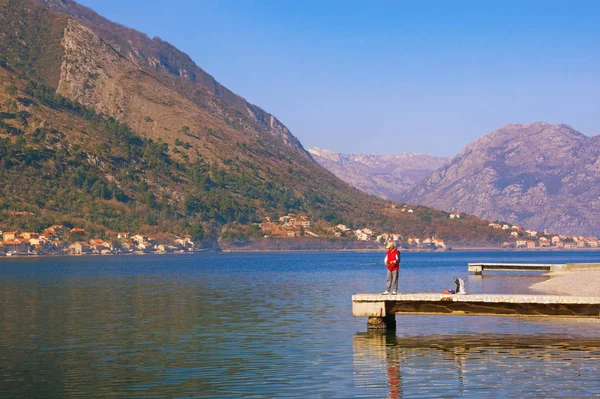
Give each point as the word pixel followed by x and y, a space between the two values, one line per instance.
pixel 391 283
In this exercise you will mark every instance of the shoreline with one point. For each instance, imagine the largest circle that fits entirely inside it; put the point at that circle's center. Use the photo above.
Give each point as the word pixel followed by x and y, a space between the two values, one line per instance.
pixel 572 283
pixel 282 250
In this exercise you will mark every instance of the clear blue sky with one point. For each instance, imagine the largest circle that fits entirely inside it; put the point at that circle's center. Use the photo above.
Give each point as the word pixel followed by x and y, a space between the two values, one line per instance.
pixel 390 77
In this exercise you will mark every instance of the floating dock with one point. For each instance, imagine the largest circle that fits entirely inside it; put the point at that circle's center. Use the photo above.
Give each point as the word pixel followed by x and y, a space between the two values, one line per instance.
pixel 381 309
pixel 478 268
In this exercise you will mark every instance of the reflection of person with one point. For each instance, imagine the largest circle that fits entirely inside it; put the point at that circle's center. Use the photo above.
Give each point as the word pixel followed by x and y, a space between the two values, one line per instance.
pixel 393 374
pixel 392 261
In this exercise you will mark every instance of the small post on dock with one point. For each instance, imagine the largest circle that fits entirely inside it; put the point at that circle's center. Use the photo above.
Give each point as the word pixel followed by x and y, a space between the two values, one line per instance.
pixel 380 318
pixel 476 268
pixel 387 322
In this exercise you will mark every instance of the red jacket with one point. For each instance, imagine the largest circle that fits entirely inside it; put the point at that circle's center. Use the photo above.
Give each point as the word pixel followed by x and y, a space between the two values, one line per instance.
pixel 392 259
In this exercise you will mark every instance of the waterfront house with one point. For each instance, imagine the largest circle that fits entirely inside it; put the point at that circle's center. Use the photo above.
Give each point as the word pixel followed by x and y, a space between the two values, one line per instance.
pixel 186 242
pixel 285 219
pixel 9 236
pixel 98 245
pixel 54 230
pixel 303 223
pixel 438 243
pixel 362 235
pixel 16 246
pixel 80 247
pixel 342 227
pixel 145 246
pixel 521 243
pixel 127 246
pixel 138 238
pixel 414 241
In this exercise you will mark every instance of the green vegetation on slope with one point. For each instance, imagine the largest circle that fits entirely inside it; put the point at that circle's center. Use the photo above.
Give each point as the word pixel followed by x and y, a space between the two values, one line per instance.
pixel 213 161
pixel 69 165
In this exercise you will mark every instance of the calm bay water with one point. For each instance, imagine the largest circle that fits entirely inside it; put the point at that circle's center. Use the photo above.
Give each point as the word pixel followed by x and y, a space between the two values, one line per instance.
pixel 276 325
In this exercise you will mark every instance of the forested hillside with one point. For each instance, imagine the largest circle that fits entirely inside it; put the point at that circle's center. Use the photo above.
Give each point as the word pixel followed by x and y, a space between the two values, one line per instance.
pixel 106 128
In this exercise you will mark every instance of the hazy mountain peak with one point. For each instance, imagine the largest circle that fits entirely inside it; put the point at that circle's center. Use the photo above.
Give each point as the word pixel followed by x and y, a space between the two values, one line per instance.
pixel 387 176
pixel 541 175
pixel 326 154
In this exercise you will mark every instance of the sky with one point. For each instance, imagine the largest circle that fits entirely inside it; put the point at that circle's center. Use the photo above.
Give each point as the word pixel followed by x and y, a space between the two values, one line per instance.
pixel 388 77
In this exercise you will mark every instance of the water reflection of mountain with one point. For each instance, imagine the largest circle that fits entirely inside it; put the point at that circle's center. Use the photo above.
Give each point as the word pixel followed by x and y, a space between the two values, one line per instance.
pixel 460 365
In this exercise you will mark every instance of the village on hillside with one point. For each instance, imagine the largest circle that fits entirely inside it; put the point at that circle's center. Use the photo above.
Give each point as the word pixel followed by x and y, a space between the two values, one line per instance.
pixel 536 239
pixel 61 240
pixel 292 225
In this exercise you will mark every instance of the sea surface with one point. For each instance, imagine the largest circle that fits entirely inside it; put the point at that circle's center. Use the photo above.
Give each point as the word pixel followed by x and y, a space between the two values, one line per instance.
pixel 277 325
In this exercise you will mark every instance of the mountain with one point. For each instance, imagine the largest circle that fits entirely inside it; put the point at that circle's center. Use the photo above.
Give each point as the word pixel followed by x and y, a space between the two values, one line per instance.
pixel 537 175
pixel 104 127
pixel 386 176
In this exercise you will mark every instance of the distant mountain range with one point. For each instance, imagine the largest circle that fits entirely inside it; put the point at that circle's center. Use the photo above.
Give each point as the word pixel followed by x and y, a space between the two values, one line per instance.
pixel 537 175
pixel 386 176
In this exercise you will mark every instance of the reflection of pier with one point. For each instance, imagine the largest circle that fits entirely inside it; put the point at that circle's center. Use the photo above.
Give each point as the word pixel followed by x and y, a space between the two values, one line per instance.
pixel 393 366
pixel 381 309
pixel 375 355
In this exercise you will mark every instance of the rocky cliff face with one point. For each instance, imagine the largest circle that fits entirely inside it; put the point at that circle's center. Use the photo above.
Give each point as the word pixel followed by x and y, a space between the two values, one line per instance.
pixel 536 175
pixel 386 176
pixel 126 54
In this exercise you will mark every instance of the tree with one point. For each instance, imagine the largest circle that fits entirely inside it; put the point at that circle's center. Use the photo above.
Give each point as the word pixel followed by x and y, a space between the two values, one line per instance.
pixel 12 90
pixel 197 232
pixel 10 105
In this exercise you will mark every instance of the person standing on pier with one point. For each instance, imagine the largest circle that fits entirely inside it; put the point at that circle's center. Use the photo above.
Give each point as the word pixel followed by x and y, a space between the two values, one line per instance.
pixel 392 261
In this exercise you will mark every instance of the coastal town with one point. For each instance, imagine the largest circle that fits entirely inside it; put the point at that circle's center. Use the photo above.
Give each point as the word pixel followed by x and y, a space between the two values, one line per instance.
pixel 297 226
pixel 536 239
pixel 62 240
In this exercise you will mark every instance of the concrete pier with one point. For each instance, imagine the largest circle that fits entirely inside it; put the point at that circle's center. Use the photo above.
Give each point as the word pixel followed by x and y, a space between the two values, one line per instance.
pixel 381 309
pixel 478 268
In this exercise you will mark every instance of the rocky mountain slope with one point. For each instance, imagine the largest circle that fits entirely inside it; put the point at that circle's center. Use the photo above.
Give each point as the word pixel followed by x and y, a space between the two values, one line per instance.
pixel 105 126
pixel 386 176
pixel 537 175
